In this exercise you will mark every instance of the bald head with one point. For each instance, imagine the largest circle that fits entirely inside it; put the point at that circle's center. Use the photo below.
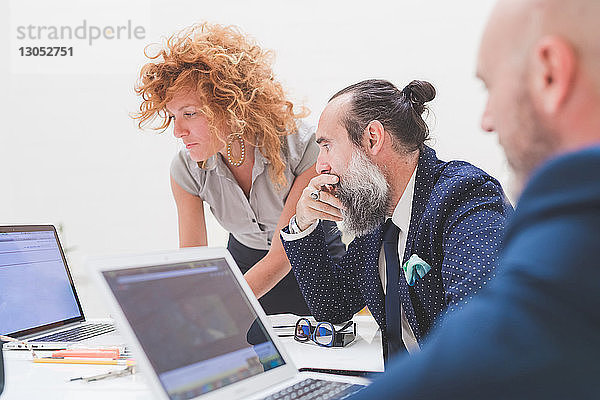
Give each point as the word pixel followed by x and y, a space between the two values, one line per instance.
pixel 516 25
pixel 574 20
pixel 540 61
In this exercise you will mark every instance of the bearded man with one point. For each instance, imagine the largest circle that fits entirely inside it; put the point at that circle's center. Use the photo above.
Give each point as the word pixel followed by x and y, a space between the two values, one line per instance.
pixel 427 231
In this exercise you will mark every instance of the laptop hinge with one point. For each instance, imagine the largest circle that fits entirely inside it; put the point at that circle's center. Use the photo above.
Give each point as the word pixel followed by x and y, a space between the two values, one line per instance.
pixel 51 331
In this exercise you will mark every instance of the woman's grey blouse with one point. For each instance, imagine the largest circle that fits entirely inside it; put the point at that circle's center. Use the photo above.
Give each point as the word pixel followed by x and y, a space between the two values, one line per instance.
pixel 253 220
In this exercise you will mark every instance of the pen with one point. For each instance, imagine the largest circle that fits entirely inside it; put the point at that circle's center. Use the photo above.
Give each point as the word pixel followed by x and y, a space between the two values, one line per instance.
pixel 50 360
pixel 348 372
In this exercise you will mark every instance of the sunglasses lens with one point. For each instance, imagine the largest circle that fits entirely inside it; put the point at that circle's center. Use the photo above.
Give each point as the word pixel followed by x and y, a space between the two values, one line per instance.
pixel 302 330
pixel 324 334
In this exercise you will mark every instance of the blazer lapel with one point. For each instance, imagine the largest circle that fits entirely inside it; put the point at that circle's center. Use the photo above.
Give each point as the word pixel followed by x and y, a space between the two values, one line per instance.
pixel 424 182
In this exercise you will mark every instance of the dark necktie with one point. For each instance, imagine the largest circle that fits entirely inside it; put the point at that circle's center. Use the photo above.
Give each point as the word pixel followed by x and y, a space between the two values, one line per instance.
pixel 393 332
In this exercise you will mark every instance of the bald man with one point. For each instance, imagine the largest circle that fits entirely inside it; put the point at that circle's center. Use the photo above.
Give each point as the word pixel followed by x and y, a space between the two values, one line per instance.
pixel 535 331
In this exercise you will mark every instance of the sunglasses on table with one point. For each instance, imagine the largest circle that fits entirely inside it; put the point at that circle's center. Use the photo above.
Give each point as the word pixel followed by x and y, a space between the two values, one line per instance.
pixel 324 333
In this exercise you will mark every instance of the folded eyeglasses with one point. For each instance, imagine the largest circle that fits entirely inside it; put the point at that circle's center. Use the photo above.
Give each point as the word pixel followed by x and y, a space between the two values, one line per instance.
pixel 324 333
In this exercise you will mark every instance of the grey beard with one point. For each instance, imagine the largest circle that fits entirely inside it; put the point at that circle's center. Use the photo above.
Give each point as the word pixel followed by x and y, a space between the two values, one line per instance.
pixel 364 192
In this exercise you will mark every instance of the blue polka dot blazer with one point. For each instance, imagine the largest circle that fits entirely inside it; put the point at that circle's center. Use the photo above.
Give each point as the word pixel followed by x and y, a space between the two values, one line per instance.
pixel 458 214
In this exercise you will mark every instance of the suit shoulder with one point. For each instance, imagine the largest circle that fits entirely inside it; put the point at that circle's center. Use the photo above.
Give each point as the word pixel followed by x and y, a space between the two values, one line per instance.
pixel 461 177
pixel 462 189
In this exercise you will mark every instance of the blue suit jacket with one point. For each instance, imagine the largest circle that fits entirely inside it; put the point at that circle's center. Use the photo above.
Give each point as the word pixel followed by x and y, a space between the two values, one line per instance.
pixel 458 215
pixel 535 332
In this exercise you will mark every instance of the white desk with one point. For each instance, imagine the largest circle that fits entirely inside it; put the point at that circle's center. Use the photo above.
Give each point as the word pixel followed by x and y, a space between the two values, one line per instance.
pixel 26 380
pixel 364 354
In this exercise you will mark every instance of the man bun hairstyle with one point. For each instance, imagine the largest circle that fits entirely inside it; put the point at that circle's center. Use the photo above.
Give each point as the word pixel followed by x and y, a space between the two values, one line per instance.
pixel 399 111
pixel 419 93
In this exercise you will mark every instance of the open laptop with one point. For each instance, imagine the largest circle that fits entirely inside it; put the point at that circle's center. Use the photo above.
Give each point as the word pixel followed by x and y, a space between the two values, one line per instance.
pixel 38 300
pixel 198 331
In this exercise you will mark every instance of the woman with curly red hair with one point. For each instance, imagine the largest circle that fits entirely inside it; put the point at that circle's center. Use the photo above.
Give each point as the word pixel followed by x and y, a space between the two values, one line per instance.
pixel 247 154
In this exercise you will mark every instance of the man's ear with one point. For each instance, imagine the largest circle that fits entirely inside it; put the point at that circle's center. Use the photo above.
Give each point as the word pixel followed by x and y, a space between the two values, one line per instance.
pixel 374 137
pixel 553 73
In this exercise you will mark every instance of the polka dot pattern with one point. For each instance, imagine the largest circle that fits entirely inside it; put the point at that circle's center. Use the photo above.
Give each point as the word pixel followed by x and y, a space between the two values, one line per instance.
pixel 458 215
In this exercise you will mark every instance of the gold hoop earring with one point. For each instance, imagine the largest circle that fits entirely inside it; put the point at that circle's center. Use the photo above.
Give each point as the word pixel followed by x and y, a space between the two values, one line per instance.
pixel 235 137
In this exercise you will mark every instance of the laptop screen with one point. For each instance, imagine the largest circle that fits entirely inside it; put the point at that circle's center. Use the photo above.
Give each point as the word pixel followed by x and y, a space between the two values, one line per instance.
pixel 36 289
pixel 195 325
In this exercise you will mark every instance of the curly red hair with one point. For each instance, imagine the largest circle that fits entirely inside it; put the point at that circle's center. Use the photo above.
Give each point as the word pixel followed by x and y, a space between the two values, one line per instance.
pixel 233 79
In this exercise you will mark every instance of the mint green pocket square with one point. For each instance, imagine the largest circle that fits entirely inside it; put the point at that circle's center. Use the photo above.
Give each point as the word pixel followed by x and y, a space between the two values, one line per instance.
pixel 414 269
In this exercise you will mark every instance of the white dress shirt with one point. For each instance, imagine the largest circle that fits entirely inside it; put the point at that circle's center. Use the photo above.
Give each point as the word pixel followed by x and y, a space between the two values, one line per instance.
pixel 400 218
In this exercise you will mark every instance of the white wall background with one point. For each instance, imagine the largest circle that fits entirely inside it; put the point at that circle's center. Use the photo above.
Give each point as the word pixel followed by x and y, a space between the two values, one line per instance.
pixel 70 154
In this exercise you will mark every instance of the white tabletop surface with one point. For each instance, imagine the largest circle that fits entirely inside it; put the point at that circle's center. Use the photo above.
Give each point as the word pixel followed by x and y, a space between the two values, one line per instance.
pixel 26 380
pixel 364 354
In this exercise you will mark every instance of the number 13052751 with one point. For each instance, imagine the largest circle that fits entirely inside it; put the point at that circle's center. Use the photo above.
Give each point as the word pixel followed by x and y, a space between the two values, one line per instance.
pixel 46 51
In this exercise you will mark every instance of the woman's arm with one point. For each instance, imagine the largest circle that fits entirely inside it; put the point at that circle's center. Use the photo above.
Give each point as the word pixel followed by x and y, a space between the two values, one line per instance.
pixel 190 216
pixel 266 273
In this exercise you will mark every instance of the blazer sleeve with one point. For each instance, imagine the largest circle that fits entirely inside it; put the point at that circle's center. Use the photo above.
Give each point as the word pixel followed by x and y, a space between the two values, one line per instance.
pixel 330 289
pixel 473 228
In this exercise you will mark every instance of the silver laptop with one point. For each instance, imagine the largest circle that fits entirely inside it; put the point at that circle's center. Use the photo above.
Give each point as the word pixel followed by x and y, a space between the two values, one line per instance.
pixel 38 300
pixel 197 330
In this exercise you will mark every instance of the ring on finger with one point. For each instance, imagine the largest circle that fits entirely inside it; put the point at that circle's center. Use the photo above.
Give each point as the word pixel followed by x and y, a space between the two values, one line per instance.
pixel 315 194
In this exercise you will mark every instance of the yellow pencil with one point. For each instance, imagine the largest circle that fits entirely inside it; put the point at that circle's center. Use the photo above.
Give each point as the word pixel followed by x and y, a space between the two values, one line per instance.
pixel 82 361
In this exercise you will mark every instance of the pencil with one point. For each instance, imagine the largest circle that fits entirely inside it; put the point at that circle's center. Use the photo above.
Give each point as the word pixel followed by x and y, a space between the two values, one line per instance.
pixel 82 361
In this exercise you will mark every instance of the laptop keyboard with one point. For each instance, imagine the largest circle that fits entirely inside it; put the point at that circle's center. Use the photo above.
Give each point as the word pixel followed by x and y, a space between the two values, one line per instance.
pixel 316 389
pixel 77 333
